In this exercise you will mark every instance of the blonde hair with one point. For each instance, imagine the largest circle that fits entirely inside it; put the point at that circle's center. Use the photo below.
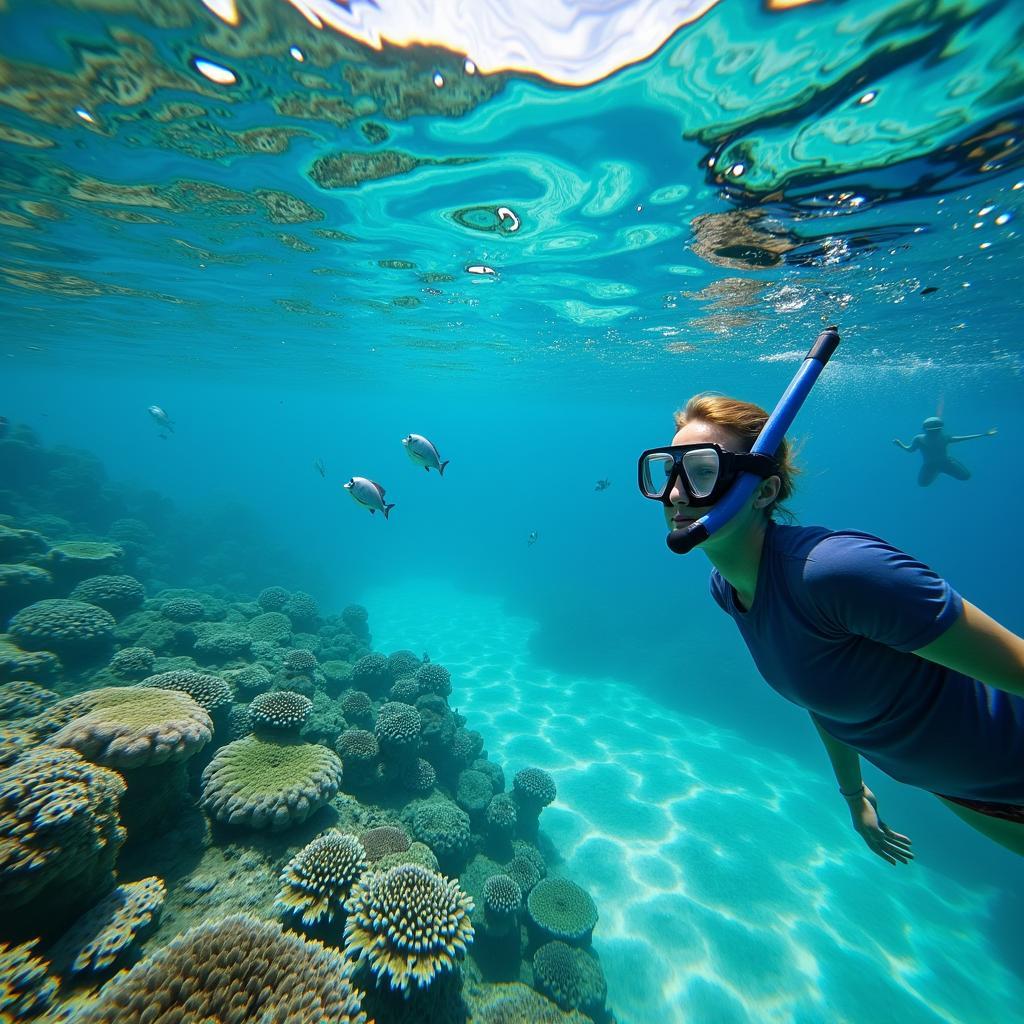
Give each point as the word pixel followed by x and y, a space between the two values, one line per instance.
pixel 744 421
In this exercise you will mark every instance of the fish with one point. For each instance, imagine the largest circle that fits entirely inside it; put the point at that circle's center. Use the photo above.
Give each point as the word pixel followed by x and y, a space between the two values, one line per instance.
pixel 161 417
pixel 318 465
pixel 369 494
pixel 423 453
pixel 928 290
pixel 532 539
pixel 602 485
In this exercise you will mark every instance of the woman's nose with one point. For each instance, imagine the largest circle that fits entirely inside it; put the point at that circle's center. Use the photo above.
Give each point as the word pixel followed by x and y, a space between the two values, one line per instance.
pixel 677 493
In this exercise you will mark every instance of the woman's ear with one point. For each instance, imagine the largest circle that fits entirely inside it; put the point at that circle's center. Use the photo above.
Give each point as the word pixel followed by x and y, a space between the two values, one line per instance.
pixel 767 492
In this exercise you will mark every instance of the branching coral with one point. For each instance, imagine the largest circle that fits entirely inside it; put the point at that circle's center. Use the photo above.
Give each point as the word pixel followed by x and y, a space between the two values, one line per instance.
pixel 434 678
pixel 410 923
pixel 235 969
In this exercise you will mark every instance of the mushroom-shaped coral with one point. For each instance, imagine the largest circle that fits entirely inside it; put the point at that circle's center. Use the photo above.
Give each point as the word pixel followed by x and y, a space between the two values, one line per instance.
pixel 133 662
pixel 59 828
pixel 182 609
pixel 22 699
pixel 26 989
pixel 118 594
pixel 384 839
pixel 235 969
pixel 419 776
pixel 434 678
pixel 411 924
pixel 273 599
pixel 76 560
pixel 571 977
pixel 272 627
pixel 356 706
pixel 130 726
pixel 534 789
pixel 73 630
pixel 318 879
pixel 561 909
pixel 444 827
pixel 501 816
pixel 210 692
pixel 397 728
pixel 279 711
pixel 524 872
pixel 299 662
pixel 110 928
pixel 371 673
pixel 269 783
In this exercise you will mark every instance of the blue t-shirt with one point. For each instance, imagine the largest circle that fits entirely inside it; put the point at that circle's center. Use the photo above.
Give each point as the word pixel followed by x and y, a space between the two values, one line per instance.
pixel 834 618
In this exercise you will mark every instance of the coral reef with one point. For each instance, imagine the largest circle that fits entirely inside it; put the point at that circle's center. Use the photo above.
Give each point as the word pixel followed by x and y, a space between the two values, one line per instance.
pixel 134 663
pixel 272 627
pixel 20 585
pixel 444 827
pixel 516 1003
pixel 302 609
pixel 273 784
pixel 403 663
pixel 131 726
pixel 59 832
pixel 210 692
pixel 357 707
pixel 119 595
pixel 418 776
pixel 434 678
pixel 318 879
pixel 299 662
pixel 108 930
pixel 26 989
pixel 560 909
pixel 21 699
pixel 76 560
pixel 182 609
pixel 397 728
pixel 502 900
pixel 235 969
pixel 570 976
pixel 272 599
pixel 280 711
pixel 371 673
pixel 410 923
pixel 384 839
pixel 473 792
pixel 36 666
pixel 73 630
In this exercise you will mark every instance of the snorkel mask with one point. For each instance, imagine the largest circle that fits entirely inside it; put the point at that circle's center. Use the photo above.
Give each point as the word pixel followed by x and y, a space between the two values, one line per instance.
pixel 726 485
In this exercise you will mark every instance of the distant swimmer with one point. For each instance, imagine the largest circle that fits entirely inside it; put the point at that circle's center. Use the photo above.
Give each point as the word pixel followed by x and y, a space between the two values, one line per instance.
pixel 423 453
pixel 932 445
pixel 368 494
pixel 318 465
pixel 161 417
pixel 532 539
pixel 602 485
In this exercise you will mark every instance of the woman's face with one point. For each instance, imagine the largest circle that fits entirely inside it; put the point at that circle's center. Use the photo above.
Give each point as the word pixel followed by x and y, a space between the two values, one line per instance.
pixel 679 514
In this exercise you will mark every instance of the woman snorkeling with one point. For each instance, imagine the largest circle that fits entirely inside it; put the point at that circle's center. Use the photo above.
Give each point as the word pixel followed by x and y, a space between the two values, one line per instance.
pixel 892 664
pixel 932 444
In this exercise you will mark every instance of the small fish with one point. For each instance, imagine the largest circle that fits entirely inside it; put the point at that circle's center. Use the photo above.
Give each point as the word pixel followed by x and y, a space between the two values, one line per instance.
pixel 161 417
pixel 318 465
pixel 928 290
pixel 532 539
pixel 423 453
pixel 368 494
pixel 602 485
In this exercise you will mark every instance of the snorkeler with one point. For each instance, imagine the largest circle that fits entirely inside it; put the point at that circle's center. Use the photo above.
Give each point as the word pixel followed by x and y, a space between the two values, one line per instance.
pixel 932 445
pixel 891 662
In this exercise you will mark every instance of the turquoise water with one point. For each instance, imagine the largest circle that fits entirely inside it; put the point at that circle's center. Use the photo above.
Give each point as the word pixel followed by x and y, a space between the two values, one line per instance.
pixel 533 260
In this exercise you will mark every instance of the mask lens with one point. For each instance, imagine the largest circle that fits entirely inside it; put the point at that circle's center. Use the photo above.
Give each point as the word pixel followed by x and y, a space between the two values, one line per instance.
pixel 656 470
pixel 701 468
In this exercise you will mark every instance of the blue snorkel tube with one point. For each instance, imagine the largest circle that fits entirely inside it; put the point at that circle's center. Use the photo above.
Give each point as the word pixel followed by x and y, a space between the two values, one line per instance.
pixel 767 443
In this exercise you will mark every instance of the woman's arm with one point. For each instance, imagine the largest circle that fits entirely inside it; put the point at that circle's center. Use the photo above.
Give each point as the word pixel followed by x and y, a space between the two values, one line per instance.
pixel 845 763
pixel 906 447
pixel 978 646
pixel 971 437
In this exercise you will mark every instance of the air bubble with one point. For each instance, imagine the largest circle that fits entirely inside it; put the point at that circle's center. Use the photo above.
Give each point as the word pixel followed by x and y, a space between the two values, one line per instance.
pixel 85 115
pixel 438 79
pixel 868 97
pixel 297 54
pixel 214 72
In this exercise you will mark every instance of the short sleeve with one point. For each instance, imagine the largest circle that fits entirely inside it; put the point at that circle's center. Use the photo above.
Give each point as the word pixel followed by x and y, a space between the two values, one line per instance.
pixel 868 588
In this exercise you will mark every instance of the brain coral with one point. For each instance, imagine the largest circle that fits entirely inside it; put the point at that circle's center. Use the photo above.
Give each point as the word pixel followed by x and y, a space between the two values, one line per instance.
pixel 397 727
pixel 110 928
pixel 25 987
pixel 443 826
pixel 281 710
pixel 131 726
pixel 385 839
pixel 133 662
pixel 410 923
pixel 571 977
pixel 118 594
pixel 272 627
pixel 59 827
pixel 269 783
pixel 68 628
pixel 318 879
pixel 273 599
pixel 562 910
pixel 236 969
pixel 434 678
pixel 534 789
pixel 22 699
pixel 182 609
pixel 210 692
pixel 300 662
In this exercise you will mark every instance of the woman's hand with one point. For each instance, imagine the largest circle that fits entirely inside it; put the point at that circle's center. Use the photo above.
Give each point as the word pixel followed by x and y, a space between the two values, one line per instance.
pixel 991 432
pixel 881 839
